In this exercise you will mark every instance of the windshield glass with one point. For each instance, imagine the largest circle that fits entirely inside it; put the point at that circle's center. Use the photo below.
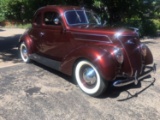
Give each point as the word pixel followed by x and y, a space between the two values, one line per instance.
pixel 78 17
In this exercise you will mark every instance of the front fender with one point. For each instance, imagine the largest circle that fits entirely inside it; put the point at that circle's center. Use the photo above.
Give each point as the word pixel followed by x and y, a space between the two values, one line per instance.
pixel 102 59
pixel 149 57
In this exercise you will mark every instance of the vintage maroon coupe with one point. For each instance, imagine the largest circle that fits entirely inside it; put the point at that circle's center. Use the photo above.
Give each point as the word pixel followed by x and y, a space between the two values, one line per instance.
pixel 73 41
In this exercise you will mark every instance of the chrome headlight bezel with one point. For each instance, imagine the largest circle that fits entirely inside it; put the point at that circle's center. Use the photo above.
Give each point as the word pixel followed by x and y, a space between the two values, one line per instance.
pixel 118 54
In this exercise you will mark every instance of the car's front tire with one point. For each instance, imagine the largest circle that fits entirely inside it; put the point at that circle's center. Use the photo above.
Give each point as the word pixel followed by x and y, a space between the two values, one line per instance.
pixel 24 52
pixel 89 79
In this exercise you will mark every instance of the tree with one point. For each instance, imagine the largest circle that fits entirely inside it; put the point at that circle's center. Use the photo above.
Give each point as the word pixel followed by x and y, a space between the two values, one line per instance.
pixel 119 10
pixel 3 9
pixel 137 13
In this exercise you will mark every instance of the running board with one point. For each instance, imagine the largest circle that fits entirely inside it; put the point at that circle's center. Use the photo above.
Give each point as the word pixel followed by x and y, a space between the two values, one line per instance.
pixel 46 61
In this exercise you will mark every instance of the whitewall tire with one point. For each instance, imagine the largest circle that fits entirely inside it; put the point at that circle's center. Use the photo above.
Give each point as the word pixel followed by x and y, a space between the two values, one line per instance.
pixel 89 79
pixel 24 52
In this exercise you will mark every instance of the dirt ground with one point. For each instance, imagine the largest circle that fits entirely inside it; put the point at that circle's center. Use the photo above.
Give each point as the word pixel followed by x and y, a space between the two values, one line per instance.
pixel 8 41
pixel 35 92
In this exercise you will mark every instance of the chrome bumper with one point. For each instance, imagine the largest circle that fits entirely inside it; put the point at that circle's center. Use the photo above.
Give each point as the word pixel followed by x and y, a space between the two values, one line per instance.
pixel 135 79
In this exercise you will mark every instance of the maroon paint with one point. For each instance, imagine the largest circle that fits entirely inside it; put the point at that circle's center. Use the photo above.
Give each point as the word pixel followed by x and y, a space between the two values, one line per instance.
pixel 68 44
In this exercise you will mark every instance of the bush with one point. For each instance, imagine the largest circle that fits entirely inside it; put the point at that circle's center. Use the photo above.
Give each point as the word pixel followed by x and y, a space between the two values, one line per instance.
pixel 146 27
pixel 1 19
pixel 157 23
pixel 149 28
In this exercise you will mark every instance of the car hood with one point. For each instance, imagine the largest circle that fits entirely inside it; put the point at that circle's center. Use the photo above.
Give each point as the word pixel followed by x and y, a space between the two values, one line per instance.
pixel 100 33
pixel 125 38
pixel 110 31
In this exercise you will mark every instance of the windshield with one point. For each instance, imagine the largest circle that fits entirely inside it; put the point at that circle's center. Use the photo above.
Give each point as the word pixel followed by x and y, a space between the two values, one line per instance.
pixel 78 17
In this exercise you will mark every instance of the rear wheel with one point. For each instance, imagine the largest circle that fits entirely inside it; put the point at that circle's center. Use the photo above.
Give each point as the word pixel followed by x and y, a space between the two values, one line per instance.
pixel 24 52
pixel 89 79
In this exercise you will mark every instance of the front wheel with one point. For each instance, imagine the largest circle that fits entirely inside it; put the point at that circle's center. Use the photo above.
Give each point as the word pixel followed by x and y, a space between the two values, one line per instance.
pixel 24 52
pixel 89 79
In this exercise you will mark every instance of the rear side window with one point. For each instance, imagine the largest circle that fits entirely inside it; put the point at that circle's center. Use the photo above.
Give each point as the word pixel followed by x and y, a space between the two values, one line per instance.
pixel 50 18
pixel 38 19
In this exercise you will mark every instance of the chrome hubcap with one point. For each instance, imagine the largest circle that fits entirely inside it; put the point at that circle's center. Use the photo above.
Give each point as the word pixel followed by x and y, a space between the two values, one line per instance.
pixel 24 52
pixel 89 76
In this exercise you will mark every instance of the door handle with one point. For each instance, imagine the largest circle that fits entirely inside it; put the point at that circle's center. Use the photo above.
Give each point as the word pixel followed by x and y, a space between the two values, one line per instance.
pixel 41 34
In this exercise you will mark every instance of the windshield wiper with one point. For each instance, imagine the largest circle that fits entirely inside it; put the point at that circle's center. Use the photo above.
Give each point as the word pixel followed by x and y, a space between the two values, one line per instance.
pixel 77 15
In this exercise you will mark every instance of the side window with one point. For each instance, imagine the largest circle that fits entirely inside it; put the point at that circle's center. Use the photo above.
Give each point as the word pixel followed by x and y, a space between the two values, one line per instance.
pixel 51 18
pixel 38 19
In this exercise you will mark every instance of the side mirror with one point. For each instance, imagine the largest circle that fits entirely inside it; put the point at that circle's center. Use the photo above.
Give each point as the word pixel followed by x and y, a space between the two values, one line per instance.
pixel 56 21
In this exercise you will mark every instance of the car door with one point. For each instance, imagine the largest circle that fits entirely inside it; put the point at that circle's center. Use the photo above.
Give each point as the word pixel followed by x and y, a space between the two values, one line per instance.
pixel 35 31
pixel 54 42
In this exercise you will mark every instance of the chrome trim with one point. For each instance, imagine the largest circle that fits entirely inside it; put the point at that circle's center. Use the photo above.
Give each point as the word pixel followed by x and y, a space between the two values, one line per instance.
pixel 135 79
pixel 89 75
pixel 125 48
pixel 78 38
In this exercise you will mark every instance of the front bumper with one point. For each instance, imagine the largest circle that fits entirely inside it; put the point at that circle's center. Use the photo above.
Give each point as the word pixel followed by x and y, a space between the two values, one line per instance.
pixel 146 72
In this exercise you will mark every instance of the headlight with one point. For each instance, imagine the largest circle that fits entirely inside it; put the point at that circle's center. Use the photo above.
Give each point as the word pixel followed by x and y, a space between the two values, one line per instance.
pixel 118 55
pixel 143 49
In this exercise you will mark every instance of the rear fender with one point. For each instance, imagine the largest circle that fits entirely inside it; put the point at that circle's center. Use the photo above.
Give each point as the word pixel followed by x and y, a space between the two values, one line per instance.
pixel 102 59
pixel 28 41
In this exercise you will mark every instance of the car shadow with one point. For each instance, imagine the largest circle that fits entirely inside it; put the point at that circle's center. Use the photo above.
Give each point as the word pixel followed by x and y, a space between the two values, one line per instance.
pixel 1 30
pixel 8 48
pixel 113 92
pixel 58 73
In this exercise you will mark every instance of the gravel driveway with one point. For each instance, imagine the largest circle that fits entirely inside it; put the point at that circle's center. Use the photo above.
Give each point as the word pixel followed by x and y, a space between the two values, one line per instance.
pixel 35 92
pixel 8 42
